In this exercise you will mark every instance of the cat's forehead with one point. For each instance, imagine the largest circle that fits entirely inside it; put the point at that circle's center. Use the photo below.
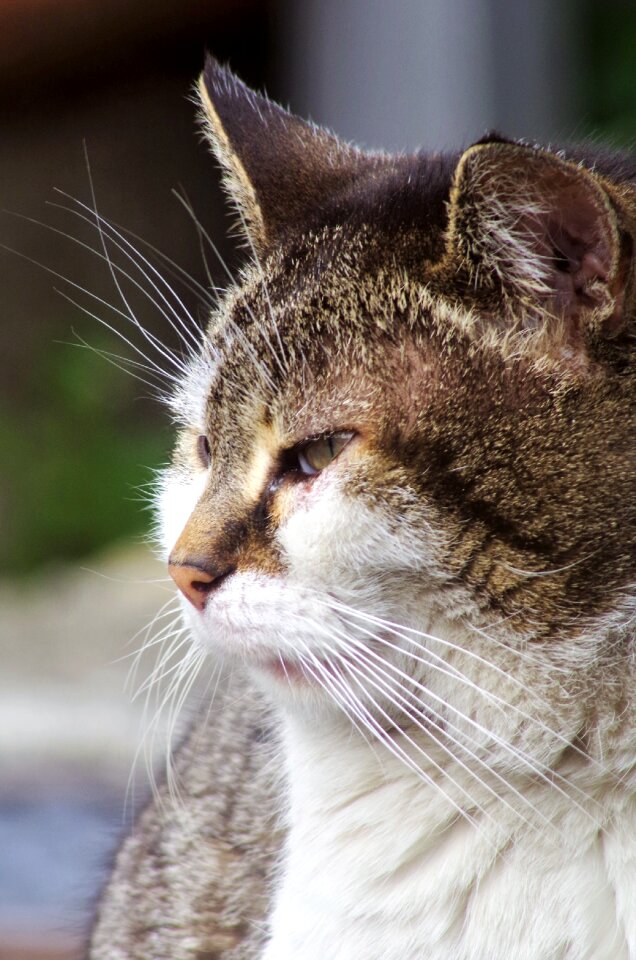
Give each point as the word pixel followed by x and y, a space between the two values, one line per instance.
pixel 310 346
pixel 309 323
pixel 339 287
pixel 326 296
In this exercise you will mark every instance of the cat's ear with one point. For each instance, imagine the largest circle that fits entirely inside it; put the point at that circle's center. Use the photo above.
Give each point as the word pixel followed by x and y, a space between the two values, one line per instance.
pixel 279 170
pixel 542 233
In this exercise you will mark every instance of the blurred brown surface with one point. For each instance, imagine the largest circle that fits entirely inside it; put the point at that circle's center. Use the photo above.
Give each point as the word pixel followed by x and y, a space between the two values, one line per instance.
pixel 39 947
pixel 58 36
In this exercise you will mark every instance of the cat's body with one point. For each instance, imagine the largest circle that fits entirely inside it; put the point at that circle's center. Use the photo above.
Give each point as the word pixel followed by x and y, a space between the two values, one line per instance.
pixel 194 880
pixel 403 499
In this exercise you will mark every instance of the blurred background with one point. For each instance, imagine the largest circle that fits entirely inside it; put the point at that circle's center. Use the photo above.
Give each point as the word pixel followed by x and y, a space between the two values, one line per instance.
pixel 95 95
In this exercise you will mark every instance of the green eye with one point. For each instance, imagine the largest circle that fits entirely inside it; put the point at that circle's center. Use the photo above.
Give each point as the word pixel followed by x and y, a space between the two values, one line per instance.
pixel 315 455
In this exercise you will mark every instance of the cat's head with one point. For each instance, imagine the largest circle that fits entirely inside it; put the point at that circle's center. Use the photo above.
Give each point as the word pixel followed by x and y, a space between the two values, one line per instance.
pixel 405 470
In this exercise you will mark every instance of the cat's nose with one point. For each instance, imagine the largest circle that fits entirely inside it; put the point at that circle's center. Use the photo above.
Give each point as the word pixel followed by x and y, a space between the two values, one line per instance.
pixel 195 583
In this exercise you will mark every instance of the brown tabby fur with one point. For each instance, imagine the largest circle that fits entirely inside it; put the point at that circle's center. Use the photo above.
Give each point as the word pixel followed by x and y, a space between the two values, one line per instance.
pixel 485 375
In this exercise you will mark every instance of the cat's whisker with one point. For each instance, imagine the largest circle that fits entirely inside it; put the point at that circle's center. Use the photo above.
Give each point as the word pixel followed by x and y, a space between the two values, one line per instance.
pixel 494 698
pixel 171 639
pixel 158 370
pixel 429 658
pixel 380 733
pixel 358 676
pixel 181 693
pixel 345 699
pixel 438 663
pixel 386 686
pixel 190 336
pixel 116 270
pixel 361 718
pixel 531 574
pixel 188 665
pixel 126 364
pixel 164 611
pixel 185 201
pixel 363 656
pixel 335 685
pixel 127 314
pixel 515 752
pixel 163 669
pixel 162 636
pixel 158 388
pixel 552 779
pixel 113 272
pixel 149 491
pixel 208 295
pixel 149 727
pixel 203 233
pixel 408 633
pixel 284 668
pixel 536 720
pixel 522 654
pixel 170 630
pixel 149 742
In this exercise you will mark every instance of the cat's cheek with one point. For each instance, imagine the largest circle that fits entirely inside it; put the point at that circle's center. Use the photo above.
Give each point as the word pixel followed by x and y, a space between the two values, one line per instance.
pixel 321 534
pixel 300 497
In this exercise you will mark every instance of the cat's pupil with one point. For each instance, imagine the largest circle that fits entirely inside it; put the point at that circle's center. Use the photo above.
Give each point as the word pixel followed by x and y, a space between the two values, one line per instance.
pixel 203 450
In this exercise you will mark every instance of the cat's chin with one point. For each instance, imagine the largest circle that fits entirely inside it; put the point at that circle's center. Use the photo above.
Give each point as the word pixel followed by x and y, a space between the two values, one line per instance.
pixel 289 672
pixel 293 687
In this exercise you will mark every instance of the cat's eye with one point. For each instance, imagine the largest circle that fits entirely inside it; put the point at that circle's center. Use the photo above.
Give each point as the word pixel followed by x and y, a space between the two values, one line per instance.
pixel 203 451
pixel 315 455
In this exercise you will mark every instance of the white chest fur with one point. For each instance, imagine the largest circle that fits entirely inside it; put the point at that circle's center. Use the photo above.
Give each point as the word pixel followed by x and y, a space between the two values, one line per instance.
pixel 380 866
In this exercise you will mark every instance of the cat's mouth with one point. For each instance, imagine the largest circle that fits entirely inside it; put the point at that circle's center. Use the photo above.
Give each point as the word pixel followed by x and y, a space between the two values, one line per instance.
pixel 302 673
pixel 290 671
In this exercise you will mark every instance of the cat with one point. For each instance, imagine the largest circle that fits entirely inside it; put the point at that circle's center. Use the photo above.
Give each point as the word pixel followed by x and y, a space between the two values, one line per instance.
pixel 401 512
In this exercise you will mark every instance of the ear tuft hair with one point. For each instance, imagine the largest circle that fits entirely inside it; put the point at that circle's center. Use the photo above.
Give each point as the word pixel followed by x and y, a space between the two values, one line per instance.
pixel 544 233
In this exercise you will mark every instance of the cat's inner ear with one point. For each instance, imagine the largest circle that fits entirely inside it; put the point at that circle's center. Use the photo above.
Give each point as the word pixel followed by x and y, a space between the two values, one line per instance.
pixel 543 231
pixel 280 171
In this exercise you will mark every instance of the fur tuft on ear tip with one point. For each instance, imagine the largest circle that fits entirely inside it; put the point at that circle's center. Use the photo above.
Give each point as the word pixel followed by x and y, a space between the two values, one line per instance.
pixel 213 69
pixel 223 86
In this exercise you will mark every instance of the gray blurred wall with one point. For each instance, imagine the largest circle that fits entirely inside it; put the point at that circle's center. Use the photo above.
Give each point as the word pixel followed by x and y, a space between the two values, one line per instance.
pixel 402 74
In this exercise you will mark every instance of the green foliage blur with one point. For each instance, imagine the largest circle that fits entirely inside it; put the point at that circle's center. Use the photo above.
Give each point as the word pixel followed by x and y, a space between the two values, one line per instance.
pixel 78 461
pixel 608 77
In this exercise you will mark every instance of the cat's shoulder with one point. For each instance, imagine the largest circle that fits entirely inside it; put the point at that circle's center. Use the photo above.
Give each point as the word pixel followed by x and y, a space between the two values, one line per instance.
pixel 194 877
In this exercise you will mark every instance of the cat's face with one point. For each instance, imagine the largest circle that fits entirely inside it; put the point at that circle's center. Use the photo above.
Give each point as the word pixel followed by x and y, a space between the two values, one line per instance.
pixel 393 474
pixel 296 471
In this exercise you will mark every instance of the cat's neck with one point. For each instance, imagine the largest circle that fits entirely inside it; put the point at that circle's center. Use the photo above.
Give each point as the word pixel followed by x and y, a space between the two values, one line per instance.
pixel 381 865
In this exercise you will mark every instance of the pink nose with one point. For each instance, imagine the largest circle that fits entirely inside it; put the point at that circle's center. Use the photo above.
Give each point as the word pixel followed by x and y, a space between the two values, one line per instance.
pixel 195 583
